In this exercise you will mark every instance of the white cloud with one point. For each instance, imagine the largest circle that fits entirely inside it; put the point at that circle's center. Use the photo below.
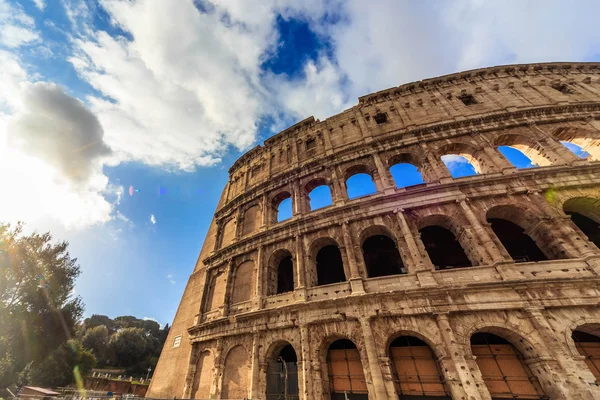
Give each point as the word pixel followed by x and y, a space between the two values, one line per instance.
pixel 152 219
pixel 41 4
pixel 16 27
pixel 170 279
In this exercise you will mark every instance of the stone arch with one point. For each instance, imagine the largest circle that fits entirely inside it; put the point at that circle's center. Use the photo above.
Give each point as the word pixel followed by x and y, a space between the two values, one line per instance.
pixel 520 230
pixel 243 282
pixel 228 231
pixel 251 219
pixel 278 279
pixel 585 215
pixel 380 250
pixel 522 372
pixel 527 145
pixel 586 324
pixel 354 171
pixel 282 378
pixel 474 156
pixel 276 202
pixel 217 290
pixel 462 252
pixel 588 140
pixel 235 374
pixel 437 347
pixel 203 375
pixel 314 184
pixel 334 369
pixel 336 266
pixel 416 175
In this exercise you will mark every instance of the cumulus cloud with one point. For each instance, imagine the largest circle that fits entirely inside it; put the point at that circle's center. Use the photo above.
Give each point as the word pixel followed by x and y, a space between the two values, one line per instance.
pixel 41 4
pixel 152 219
pixel 59 130
pixel 16 27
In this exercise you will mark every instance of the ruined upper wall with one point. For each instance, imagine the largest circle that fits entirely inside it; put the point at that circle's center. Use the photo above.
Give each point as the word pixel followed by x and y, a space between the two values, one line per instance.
pixel 414 105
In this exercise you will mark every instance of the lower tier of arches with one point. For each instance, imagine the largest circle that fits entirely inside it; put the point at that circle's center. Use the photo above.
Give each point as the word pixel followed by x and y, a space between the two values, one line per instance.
pixel 527 353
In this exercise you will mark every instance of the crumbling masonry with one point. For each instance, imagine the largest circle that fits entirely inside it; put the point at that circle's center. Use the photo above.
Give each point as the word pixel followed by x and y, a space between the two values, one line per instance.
pixel 465 288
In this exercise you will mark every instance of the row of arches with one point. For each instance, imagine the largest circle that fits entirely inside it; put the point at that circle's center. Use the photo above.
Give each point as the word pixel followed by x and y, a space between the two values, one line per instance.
pixel 445 246
pixel 416 369
pixel 459 159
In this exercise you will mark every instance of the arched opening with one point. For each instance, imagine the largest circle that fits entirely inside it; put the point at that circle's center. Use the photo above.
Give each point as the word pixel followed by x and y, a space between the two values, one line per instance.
pixel 585 213
pixel 243 284
pixel 417 374
pixel 406 174
pixel 345 371
pixel 360 185
pixel 282 207
pixel 503 368
pixel 251 220
pixel 282 375
pixel 516 157
pixel 285 275
pixel 517 243
pixel 459 165
pixel 203 376
pixel 235 374
pixel 588 345
pixel 382 257
pixel 330 267
pixel 320 197
pixel 445 252
pixel 576 149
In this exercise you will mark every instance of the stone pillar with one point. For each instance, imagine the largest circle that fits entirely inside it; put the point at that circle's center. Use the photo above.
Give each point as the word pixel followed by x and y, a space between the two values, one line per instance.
pixel 373 359
pixel 299 199
pixel 499 160
pixel 215 388
pixel 436 169
pixel 570 386
pixel 355 278
pixel 388 186
pixel 481 233
pixel 557 153
pixel 266 211
pixel 255 368
pixel 305 376
pixel 469 385
pixel 229 287
pixel 339 194
pixel 300 287
pixel 191 372
pixel 421 262
pixel 258 293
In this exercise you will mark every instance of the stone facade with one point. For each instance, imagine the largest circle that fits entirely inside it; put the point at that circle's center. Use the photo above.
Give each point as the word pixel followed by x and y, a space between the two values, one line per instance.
pixel 232 322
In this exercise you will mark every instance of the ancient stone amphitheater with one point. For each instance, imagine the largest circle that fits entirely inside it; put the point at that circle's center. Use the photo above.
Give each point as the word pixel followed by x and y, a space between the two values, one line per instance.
pixel 478 287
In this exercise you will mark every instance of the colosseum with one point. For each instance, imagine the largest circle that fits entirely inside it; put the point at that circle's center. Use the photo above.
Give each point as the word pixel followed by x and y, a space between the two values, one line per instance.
pixel 483 286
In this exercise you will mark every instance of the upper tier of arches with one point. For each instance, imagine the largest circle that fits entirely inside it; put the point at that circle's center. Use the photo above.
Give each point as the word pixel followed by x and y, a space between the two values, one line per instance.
pixel 413 110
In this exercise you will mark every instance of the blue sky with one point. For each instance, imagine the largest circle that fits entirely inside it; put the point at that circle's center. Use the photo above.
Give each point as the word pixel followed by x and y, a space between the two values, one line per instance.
pixel 162 96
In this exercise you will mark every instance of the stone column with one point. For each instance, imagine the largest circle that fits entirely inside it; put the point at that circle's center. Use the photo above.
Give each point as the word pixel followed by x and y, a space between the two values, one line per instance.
pixel 339 195
pixel 305 377
pixel 255 368
pixel 229 287
pixel 469 385
pixel 388 187
pixel 373 359
pixel 300 287
pixel 420 262
pixel 571 387
pixel 481 233
pixel 258 294
pixel 557 153
pixel 299 199
pixel 436 166
pixel 191 372
pixel 266 211
pixel 215 388
pixel 355 278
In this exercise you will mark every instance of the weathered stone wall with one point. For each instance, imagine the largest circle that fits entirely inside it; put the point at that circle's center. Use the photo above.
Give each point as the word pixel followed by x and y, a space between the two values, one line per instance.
pixel 229 304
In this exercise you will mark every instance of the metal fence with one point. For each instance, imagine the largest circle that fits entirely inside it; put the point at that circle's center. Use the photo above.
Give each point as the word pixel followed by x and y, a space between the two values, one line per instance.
pixel 76 394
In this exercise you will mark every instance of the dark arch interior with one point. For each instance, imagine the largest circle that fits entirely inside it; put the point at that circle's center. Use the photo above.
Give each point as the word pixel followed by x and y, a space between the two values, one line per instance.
pixel 288 354
pixel 587 225
pixel 519 245
pixel 342 344
pixel 579 336
pixel 588 346
pixel 407 341
pixel 443 248
pixel 382 257
pixel 330 268
pixel 285 275
pixel 488 338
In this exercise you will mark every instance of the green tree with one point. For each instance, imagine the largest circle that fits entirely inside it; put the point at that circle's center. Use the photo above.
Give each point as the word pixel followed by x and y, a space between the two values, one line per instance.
pixel 63 365
pixel 130 346
pixel 38 310
pixel 96 339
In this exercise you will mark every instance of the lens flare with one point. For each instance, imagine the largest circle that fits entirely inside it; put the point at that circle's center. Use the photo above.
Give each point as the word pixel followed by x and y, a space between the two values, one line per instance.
pixel 131 190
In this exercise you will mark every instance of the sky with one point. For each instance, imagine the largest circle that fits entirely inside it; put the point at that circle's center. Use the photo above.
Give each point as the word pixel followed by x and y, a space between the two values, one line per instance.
pixel 120 118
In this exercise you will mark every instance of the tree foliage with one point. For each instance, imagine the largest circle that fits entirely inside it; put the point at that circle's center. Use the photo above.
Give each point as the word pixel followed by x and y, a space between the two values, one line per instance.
pixel 38 311
pixel 58 369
